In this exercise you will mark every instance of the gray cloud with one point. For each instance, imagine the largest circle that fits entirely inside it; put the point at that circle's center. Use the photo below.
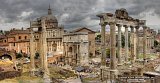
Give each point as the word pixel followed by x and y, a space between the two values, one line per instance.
pixel 72 13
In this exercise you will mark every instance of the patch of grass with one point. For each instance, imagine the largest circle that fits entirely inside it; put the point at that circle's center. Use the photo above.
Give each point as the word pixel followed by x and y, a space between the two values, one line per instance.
pixel 153 56
pixel 86 80
pixel 23 79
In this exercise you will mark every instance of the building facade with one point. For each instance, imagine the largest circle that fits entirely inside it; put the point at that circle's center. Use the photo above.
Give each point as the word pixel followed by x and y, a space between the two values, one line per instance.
pixel 54 33
pixel 76 47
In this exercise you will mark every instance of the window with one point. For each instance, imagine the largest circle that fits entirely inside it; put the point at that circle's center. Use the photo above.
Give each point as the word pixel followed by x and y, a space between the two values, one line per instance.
pixel 89 43
pixel 25 37
pixel 19 37
pixel 13 44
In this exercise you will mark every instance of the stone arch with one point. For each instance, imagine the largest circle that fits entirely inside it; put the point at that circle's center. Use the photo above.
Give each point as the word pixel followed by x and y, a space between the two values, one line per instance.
pixel 54 45
pixel 6 56
pixel 70 49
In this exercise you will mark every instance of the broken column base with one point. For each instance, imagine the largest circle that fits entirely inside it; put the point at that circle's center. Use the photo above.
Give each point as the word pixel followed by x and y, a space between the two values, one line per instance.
pixel 104 72
pixel 113 74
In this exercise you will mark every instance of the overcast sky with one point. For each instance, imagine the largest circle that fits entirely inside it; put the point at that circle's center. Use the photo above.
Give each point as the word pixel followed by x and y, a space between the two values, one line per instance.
pixel 75 13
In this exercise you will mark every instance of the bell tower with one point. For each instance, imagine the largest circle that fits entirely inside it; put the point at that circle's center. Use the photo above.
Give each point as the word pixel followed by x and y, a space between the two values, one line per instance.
pixel 49 10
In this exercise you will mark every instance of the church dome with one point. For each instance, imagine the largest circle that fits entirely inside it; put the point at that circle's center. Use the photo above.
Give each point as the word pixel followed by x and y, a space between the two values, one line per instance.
pixel 51 18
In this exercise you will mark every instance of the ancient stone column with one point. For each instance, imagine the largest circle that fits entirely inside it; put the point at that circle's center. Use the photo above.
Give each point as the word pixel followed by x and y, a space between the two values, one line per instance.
pixel 144 43
pixel 137 42
pixel 126 43
pixel 132 44
pixel 32 52
pixel 112 50
pixel 45 62
pixel 78 59
pixel 41 49
pixel 103 43
pixel 119 44
pixel 103 50
pixel 64 53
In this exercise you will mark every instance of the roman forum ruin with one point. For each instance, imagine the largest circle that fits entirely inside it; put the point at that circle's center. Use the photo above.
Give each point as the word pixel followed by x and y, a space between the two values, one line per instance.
pixel 119 19
pixel 74 48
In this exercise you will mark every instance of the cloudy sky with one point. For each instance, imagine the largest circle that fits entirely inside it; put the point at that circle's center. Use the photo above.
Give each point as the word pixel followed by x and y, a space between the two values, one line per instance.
pixel 75 13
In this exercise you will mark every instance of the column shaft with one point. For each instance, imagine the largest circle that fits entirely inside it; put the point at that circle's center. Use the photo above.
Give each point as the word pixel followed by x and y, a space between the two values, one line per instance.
pixel 103 51
pixel 137 43
pixel 32 52
pixel 126 43
pixel 45 62
pixel 103 46
pixel 113 50
pixel 41 49
pixel 144 43
pixel 132 44
pixel 119 44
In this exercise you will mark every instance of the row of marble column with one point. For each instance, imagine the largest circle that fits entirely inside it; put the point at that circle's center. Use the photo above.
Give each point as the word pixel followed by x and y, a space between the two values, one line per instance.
pixel 113 45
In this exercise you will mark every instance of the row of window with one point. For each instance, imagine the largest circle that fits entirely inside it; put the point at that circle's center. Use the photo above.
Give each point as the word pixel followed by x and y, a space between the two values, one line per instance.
pixel 25 37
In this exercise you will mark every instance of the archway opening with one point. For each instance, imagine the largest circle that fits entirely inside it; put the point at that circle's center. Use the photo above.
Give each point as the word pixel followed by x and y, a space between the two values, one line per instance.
pixel 6 56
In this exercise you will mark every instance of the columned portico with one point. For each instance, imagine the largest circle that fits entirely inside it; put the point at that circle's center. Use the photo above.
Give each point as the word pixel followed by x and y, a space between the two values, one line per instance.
pixel 120 18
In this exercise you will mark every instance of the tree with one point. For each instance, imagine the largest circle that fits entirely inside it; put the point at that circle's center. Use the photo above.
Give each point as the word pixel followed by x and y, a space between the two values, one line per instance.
pixel 156 43
pixel 108 53
pixel 123 40
pixel 18 55
pixel 1 32
pixel 98 37
pixel 36 55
